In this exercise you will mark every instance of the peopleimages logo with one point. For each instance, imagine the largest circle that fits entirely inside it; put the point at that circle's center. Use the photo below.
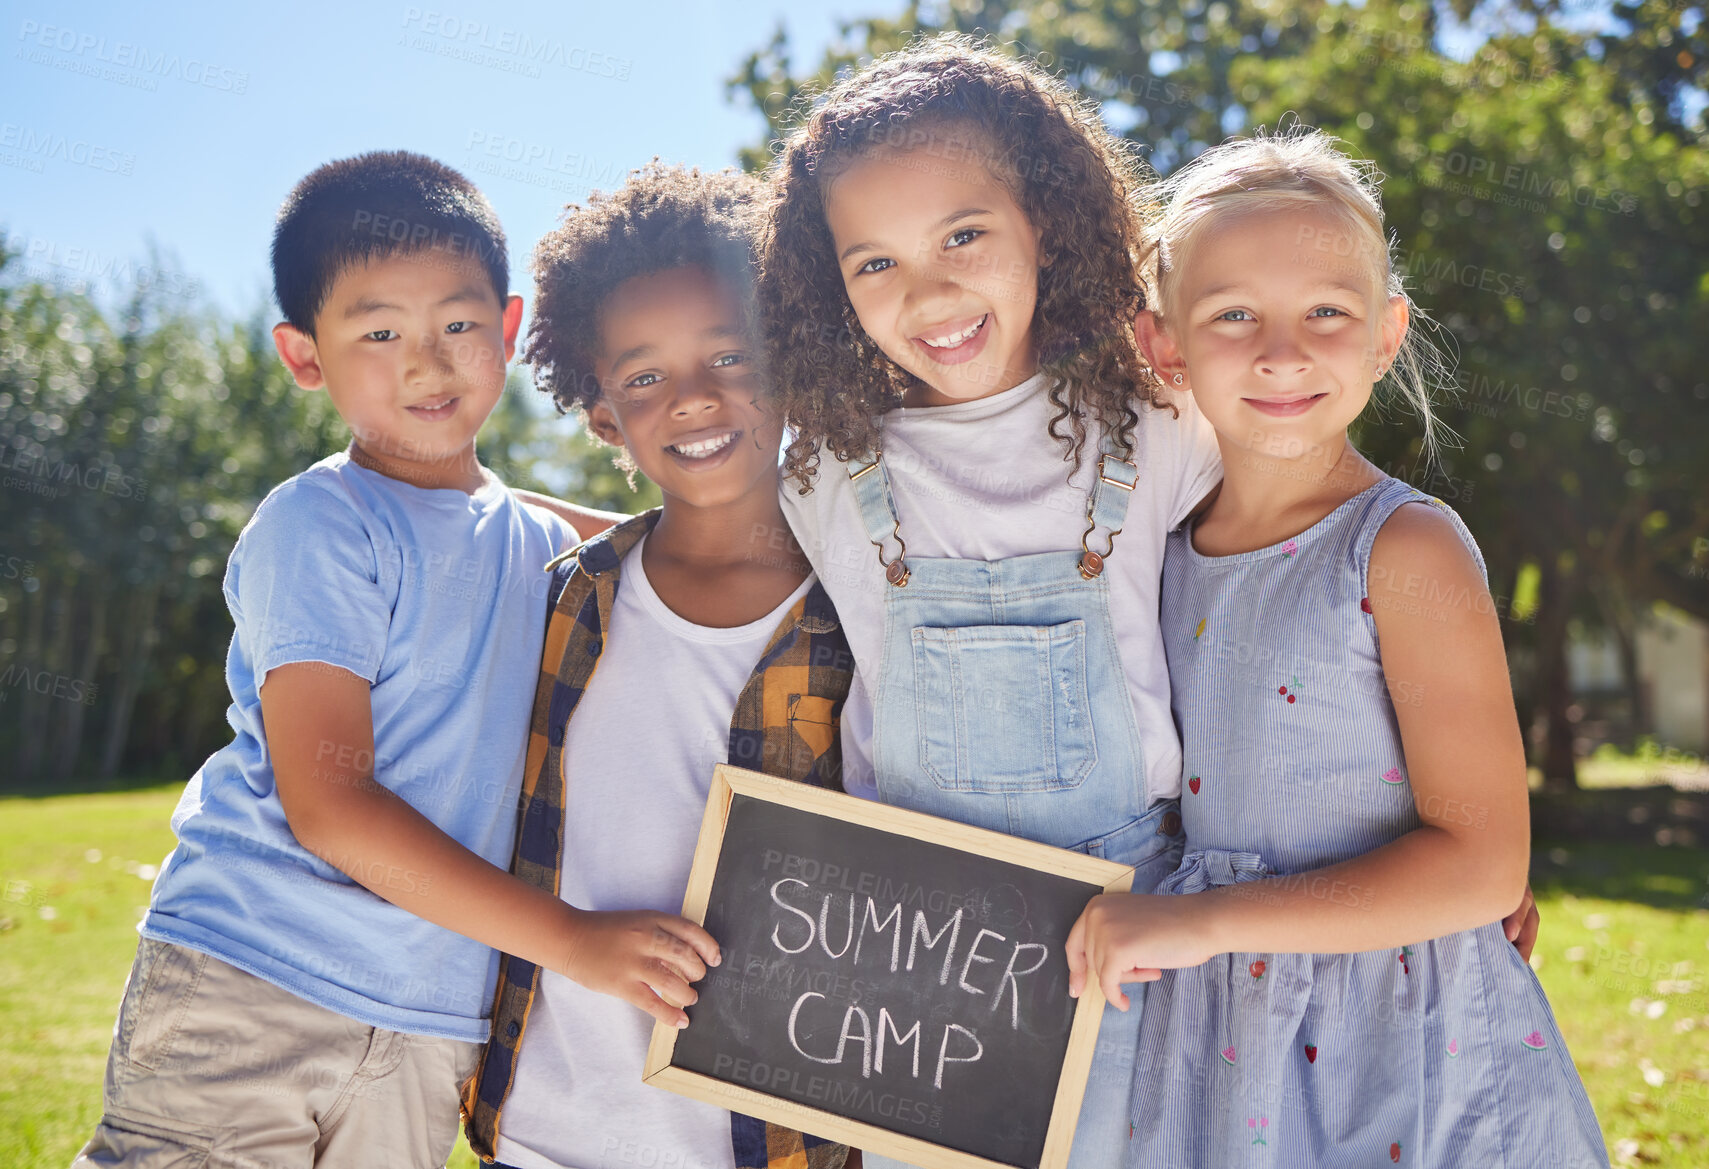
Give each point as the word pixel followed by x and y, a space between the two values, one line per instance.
pixel 510 49
pixel 46 260
pixel 40 146
pixel 97 50
pixel 51 477
pixel 46 683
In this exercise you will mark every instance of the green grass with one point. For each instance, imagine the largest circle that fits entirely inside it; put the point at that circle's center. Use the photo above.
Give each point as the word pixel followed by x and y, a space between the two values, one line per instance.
pixel 72 888
pixel 1624 948
pixel 1623 952
pixel 1649 763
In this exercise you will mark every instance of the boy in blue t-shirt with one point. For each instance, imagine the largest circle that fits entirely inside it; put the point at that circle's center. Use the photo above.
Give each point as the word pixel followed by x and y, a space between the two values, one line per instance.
pixel 317 963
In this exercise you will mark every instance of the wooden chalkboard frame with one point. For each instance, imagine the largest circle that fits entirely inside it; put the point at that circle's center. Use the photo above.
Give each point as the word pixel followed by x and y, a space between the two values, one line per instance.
pixel 728 782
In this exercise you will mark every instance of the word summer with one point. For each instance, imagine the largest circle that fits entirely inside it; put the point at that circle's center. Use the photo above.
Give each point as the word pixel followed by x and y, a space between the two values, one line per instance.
pixel 863 921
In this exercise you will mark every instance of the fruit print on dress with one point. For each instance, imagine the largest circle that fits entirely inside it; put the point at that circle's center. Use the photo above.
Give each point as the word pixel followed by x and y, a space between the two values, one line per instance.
pixel 1453 1049
pixel 1394 1152
pixel 1290 548
pixel 1228 1055
pixel 1193 785
pixel 1257 969
pixel 1290 695
pixel 1311 1053
pixel 1200 629
pixel 1535 1041
pixel 1393 776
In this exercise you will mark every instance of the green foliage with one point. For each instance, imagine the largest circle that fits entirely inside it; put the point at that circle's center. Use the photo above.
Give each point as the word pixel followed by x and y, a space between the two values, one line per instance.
pixel 135 443
pixel 1547 195
pixel 1553 219
pixel 1160 71
pixel 1559 233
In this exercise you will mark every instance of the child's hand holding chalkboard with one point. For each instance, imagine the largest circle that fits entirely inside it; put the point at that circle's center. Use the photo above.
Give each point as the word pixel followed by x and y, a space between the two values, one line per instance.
pixel 1133 937
pixel 642 957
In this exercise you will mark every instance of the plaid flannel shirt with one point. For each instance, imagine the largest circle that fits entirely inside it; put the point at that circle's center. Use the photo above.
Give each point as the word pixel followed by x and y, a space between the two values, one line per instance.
pixel 785 724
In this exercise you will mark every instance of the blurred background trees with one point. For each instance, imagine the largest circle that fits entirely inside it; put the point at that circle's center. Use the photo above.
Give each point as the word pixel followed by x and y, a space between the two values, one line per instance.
pixel 1545 172
pixel 135 441
pixel 1545 179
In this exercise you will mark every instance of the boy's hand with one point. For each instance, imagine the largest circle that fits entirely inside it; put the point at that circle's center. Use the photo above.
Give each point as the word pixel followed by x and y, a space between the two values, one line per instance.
pixel 1119 931
pixel 320 733
pixel 644 958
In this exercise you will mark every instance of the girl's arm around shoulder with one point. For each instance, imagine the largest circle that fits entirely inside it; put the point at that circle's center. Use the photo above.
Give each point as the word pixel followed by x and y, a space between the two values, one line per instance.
pixel 587 522
pixel 1463 867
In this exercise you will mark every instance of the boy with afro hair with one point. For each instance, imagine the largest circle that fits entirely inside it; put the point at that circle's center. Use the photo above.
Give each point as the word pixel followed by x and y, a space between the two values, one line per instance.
pixel 690 635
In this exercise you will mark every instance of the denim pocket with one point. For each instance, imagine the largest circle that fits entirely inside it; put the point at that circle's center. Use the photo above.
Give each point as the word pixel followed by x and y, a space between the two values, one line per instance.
pixel 1003 708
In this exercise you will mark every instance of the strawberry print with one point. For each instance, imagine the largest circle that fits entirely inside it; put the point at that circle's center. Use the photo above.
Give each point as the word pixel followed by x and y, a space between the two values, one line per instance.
pixel 1311 1053
pixel 1394 1152
pixel 1365 604
pixel 1257 969
pixel 1193 785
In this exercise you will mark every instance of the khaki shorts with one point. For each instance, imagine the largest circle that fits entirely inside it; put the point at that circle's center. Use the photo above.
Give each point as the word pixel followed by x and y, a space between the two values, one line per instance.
pixel 212 1066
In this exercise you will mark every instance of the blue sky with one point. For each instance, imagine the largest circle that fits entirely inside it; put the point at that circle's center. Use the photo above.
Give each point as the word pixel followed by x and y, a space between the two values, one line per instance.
pixel 186 124
pixel 182 127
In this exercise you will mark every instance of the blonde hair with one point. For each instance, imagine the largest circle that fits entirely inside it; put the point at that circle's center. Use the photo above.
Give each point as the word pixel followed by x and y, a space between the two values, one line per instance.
pixel 1293 169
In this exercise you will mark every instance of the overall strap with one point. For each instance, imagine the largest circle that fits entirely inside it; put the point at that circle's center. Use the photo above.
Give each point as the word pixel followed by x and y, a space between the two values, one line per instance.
pixel 871 481
pixel 1107 502
pixel 1106 507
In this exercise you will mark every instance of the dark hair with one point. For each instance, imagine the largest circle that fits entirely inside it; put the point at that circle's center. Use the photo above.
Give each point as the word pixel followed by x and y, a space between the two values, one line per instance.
pixel 662 217
pixel 1075 181
pixel 371 207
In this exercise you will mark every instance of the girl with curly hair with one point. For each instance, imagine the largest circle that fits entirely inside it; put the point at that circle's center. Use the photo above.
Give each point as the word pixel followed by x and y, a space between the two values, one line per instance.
pixel 949 287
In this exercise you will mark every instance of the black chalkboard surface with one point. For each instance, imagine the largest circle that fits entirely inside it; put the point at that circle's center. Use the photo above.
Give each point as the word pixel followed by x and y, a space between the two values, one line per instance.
pixel 889 979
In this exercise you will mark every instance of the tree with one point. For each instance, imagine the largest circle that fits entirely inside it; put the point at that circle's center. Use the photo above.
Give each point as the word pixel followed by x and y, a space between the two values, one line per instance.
pixel 1556 228
pixel 1547 194
pixel 135 443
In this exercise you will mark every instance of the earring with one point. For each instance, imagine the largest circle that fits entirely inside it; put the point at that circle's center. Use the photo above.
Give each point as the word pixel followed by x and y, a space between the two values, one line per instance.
pixel 1177 379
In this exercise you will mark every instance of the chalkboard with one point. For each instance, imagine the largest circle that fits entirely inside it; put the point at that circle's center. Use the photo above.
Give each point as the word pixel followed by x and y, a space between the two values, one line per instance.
pixel 891 980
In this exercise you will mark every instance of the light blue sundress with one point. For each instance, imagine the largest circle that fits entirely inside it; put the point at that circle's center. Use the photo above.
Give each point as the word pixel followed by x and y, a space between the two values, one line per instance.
pixel 1440 1053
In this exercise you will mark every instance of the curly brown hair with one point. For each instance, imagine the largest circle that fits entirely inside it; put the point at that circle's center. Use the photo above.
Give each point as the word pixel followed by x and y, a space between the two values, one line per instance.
pixel 1075 181
pixel 662 217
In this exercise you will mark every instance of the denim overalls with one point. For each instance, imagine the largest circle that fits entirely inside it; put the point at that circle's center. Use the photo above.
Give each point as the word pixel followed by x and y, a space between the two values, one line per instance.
pixel 1000 701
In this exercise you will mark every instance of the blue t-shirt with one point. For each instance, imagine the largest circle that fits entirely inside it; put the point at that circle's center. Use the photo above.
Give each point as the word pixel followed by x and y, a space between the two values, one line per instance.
pixel 436 597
